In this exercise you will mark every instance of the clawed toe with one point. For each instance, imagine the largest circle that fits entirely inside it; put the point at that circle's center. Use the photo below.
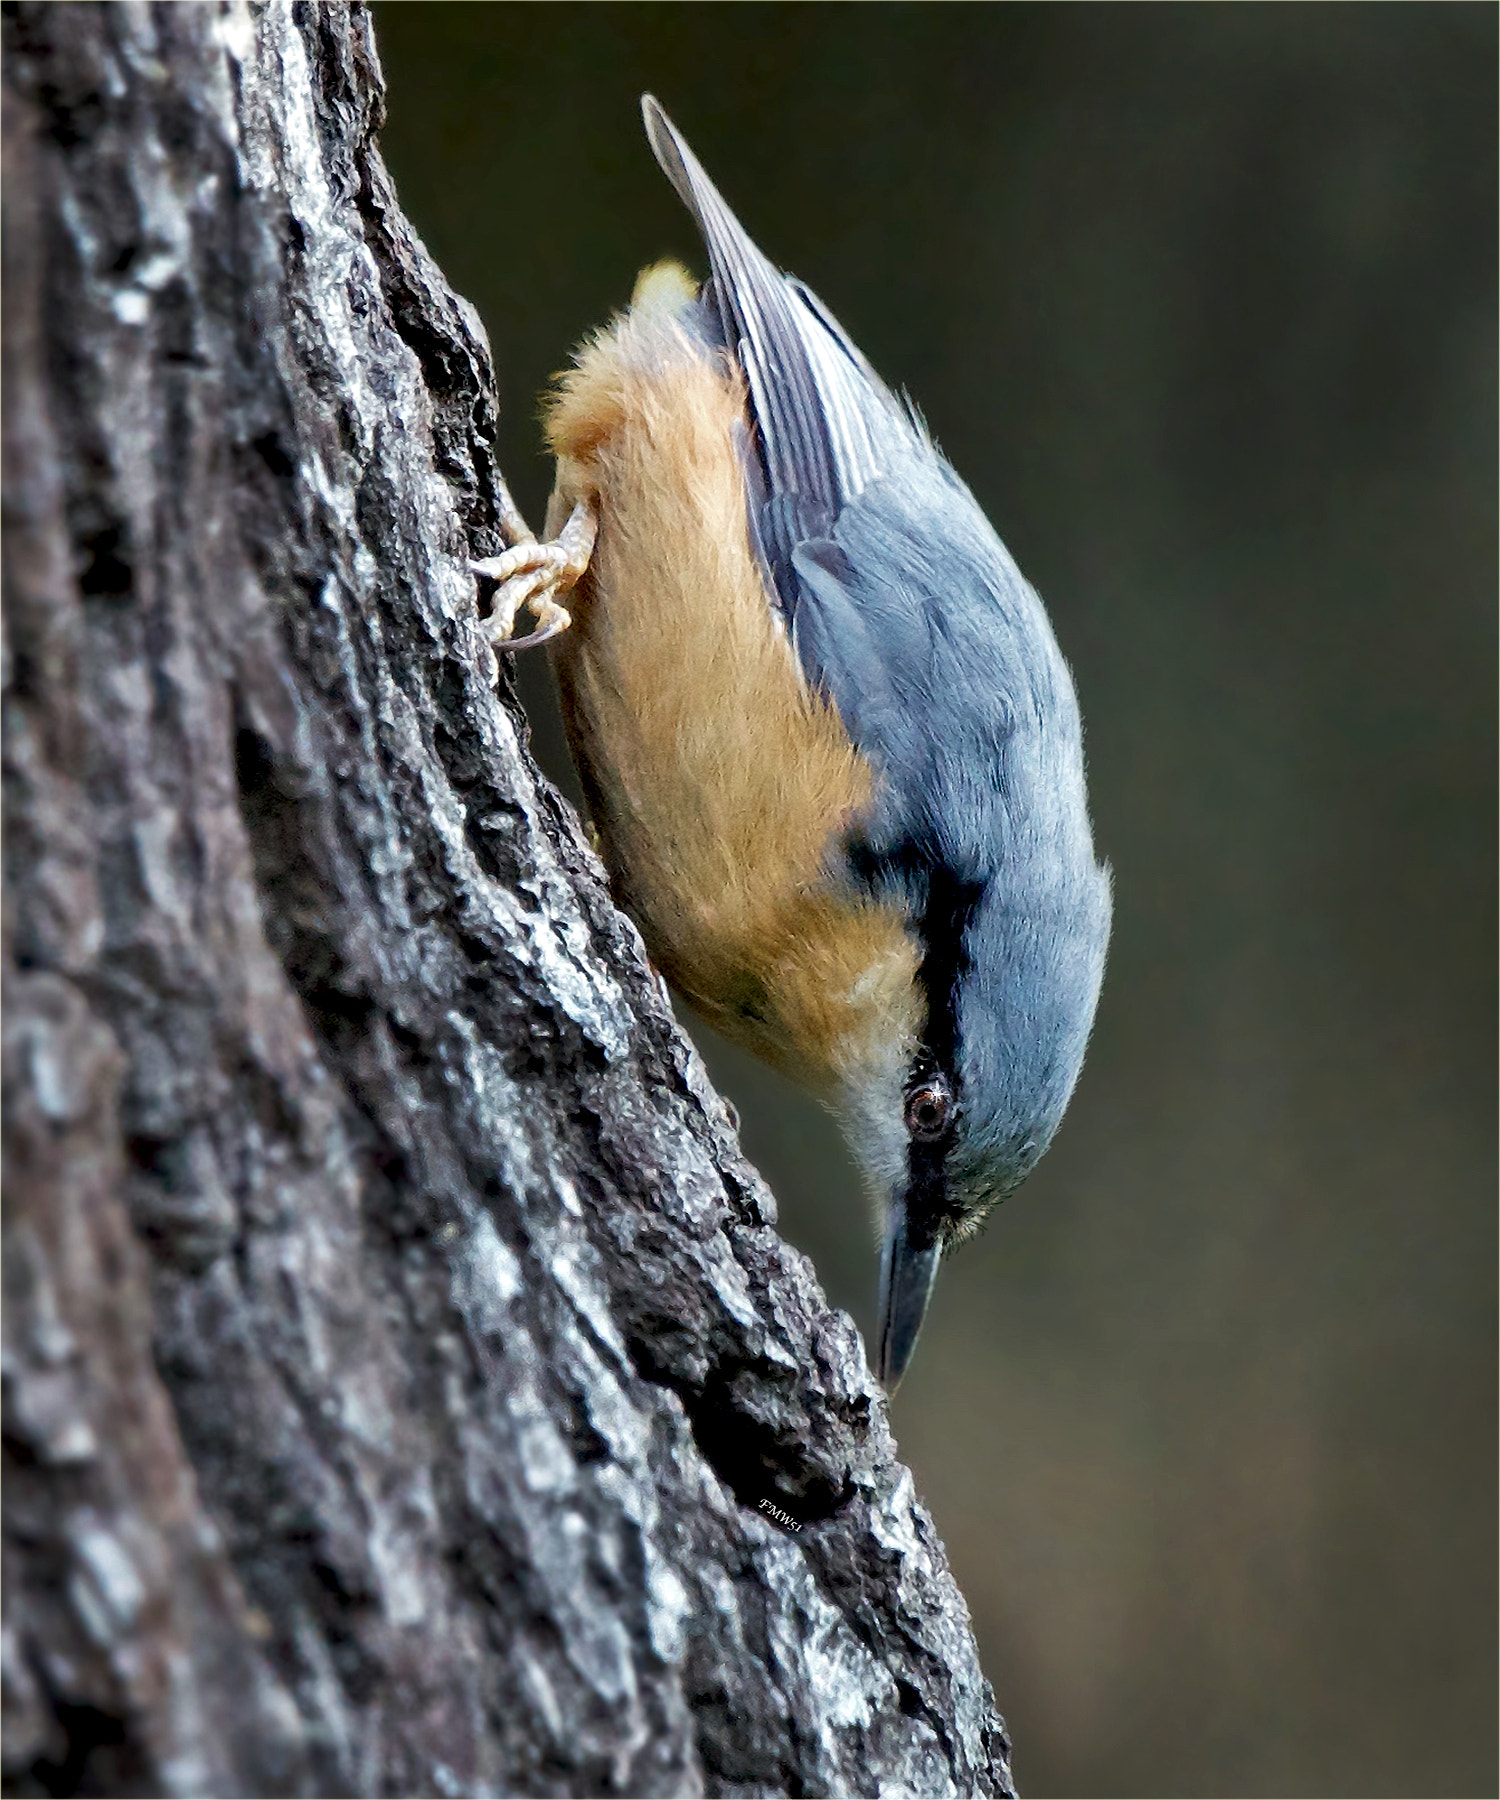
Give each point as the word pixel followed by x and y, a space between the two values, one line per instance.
pixel 535 575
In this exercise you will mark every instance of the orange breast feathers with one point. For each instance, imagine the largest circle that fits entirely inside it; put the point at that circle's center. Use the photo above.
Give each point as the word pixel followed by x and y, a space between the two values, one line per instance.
pixel 717 779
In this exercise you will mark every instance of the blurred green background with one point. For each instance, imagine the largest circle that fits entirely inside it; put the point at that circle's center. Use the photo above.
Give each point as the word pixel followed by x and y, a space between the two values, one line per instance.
pixel 1201 301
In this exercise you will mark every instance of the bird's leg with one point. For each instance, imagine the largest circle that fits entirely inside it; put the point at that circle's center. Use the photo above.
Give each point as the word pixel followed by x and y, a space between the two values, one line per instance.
pixel 534 575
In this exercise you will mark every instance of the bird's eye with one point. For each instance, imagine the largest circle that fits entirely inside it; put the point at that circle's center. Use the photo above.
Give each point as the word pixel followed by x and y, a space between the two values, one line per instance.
pixel 929 1109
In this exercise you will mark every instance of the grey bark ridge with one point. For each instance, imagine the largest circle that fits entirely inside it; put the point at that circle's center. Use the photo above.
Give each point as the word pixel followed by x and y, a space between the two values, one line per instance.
pixel 398 1352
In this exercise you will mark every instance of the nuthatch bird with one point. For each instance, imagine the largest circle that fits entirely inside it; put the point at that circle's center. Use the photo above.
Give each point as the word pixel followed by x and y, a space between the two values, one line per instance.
pixel 831 749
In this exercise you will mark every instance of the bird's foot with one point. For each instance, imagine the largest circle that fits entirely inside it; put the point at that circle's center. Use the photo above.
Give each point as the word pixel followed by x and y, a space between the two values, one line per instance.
pixel 535 576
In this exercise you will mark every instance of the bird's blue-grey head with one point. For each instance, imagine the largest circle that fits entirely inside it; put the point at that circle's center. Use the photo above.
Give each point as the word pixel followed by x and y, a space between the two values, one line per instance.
pixel 1010 982
pixel 942 661
pixel 905 609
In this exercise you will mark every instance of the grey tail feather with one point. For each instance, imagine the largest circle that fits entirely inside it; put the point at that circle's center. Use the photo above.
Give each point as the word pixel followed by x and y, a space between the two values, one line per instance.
pixel 756 314
pixel 669 149
pixel 747 279
pixel 824 415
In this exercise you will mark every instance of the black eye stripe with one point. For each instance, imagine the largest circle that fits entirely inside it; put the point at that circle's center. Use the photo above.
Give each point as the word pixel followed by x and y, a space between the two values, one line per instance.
pixel 949 901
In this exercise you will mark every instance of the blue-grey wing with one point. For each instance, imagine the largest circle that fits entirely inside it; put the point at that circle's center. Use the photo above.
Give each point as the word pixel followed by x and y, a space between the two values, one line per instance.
pixel 826 425
pixel 942 663
pixel 902 603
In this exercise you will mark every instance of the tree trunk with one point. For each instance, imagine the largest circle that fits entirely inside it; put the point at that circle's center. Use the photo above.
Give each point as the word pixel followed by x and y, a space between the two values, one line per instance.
pixel 406 1390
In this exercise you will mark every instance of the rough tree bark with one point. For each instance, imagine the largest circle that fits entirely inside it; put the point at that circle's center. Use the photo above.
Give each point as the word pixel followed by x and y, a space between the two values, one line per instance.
pixel 398 1351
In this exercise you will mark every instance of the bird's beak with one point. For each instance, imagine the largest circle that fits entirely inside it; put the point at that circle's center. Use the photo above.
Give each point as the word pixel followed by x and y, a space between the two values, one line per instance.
pixel 908 1269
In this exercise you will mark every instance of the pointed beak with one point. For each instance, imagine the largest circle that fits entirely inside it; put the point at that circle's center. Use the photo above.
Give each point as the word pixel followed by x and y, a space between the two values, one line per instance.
pixel 908 1269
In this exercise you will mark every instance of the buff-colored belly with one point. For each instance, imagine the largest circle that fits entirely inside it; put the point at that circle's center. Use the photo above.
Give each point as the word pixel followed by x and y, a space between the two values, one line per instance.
pixel 717 780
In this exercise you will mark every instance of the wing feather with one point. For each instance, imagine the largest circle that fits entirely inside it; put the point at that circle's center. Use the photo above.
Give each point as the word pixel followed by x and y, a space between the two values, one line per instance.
pixel 828 426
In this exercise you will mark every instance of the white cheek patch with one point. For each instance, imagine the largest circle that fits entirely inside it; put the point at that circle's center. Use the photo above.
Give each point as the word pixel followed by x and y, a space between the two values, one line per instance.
pixel 870 1106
